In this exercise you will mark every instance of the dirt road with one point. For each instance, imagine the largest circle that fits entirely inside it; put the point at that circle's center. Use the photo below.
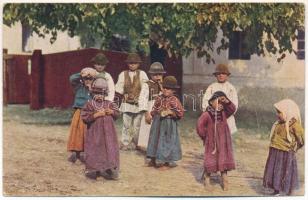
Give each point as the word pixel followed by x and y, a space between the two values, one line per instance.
pixel 35 165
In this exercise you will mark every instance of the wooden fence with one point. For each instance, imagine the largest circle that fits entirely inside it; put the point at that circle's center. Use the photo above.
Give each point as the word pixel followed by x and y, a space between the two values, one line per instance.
pixel 42 80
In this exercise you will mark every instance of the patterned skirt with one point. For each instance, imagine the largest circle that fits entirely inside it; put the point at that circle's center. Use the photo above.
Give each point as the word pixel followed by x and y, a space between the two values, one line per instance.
pixel 77 131
pixel 281 171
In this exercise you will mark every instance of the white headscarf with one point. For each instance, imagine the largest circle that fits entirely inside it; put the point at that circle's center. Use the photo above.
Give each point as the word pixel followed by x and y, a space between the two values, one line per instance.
pixel 289 110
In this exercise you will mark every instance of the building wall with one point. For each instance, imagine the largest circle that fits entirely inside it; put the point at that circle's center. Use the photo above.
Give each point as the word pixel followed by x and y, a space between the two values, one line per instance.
pixel 260 82
pixel 256 72
pixel 12 40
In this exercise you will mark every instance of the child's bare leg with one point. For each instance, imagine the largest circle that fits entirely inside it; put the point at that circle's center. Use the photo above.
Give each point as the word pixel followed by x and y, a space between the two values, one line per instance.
pixel 225 184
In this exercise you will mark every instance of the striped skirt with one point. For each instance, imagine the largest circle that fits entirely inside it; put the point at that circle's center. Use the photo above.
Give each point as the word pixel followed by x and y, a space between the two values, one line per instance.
pixel 281 171
pixel 77 132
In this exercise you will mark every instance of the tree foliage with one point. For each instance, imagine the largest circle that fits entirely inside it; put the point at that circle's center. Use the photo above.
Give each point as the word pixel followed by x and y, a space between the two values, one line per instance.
pixel 180 28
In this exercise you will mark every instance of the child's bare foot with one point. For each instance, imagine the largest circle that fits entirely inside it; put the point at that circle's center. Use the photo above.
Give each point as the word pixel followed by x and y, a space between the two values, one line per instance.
pixel 73 157
pixel 172 164
pixel 290 193
pixel 91 175
pixel 163 168
pixel 149 162
pixel 159 164
pixel 276 193
pixel 81 157
pixel 206 182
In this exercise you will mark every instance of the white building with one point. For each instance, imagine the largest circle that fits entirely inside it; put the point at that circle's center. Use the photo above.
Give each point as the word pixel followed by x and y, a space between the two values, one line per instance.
pixel 19 40
pixel 260 81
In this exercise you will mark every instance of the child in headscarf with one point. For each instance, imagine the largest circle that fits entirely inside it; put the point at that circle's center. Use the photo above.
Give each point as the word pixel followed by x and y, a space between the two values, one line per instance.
pixel 287 136
pixel 213 129
pixel 101 143
pixel 81 83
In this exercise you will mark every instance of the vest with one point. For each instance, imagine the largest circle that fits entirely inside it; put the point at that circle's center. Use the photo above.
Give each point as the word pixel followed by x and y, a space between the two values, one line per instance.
pixel 132 88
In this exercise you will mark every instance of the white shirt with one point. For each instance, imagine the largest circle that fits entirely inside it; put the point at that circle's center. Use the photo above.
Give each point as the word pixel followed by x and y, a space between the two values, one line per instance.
pixel 146 103
pixel 231 93
pixel 111 88
pixel 142 102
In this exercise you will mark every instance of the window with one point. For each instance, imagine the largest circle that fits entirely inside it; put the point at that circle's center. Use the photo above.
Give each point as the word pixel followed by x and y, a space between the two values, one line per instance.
pixel 119 43
pixel 238 47
pixel 301 44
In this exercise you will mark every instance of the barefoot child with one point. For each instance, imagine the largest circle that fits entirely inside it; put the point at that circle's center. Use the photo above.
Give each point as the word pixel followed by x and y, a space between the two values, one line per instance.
pixel 287 136
pixel 101 143
pixel 213 129
pixel 81 83
pixel 164 147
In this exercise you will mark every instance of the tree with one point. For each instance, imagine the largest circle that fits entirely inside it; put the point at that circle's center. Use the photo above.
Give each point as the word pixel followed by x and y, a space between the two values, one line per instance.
pixel 179 28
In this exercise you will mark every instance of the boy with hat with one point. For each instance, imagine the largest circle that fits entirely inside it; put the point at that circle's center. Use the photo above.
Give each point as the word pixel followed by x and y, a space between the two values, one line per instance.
pixel 99 63
pixel 152 89
pixel 213 129
pixel 222 74
pixel 81 83
pixel 101 143
pixel 164 147
pixel 134 105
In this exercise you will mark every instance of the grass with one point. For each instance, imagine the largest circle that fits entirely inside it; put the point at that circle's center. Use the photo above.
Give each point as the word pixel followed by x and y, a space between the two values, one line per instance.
pixel 246 120
pixel 46 116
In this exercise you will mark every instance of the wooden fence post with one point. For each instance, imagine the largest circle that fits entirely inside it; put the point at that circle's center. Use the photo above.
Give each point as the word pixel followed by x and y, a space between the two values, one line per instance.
pixel 5 78
pixel 36 81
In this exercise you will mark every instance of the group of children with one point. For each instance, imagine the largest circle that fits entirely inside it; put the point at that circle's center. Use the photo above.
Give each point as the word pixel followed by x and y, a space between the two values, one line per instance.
pixel 151 111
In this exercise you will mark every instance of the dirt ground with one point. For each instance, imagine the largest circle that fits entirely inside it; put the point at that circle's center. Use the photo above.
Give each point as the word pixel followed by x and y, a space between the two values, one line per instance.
pixel 35 164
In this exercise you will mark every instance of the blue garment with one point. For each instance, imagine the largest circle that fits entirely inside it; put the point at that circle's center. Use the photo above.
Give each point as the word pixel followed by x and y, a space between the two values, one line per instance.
pixel 82 94
pixel 164 140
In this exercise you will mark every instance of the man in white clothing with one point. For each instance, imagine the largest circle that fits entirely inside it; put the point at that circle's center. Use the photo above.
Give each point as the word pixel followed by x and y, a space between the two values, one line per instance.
pixel 133 105
pixel 222 74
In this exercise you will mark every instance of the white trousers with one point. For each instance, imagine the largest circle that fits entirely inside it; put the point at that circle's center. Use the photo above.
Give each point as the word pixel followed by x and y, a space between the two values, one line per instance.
pixel 131 127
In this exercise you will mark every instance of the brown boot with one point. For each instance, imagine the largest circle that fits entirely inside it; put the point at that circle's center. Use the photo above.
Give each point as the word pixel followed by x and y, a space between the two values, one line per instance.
pixel 225 184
